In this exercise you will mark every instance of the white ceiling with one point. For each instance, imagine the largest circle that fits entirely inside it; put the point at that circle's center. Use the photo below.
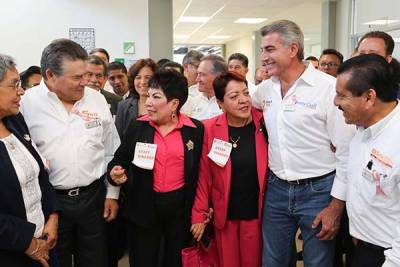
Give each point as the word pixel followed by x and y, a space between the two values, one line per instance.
pixel 306 13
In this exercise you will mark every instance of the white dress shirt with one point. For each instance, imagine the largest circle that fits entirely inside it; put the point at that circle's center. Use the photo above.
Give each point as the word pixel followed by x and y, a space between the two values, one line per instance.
pixel 27 170
pixel 373 201
pixel 201 107
pixel 77 144
pixel 252 88
pixel 193 90
pixel 302 126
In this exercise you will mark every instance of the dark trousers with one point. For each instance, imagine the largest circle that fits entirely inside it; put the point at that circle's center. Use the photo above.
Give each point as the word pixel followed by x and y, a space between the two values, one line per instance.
pixel 81 231
pixel 116 239
pixel 170 225
pixel 368 255
pixel 344 244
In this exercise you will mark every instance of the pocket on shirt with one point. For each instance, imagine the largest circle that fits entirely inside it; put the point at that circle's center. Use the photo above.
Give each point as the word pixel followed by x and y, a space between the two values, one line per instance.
pixel 386 198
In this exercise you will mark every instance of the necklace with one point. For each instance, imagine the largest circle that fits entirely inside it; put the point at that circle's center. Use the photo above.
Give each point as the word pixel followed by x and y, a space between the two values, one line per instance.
pixel 234 142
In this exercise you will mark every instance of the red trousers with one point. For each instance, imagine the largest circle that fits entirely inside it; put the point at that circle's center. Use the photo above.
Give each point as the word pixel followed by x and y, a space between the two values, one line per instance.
pixel 239 244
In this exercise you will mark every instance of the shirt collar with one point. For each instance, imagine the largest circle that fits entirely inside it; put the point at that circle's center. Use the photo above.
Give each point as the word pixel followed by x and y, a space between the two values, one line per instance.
pixel 183 120
pixel 307 76
pixel 374 130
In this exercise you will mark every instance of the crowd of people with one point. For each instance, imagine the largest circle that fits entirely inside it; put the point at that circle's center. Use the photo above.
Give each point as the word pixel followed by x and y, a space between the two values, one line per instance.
pixel 98 160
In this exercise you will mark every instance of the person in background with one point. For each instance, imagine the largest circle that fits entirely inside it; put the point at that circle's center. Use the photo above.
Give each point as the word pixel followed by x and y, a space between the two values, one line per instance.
pixel 235 189
pixel 162 61
pixel 118 78
pixel 101 53
pixel 261 75
pixel 191 62
pixel 134 106
pixel 97 78
pixel 366 91
pixel 239 63
pixel 175 66
pixel 73 130
pixel 329 61
pixel 313 60
pixel 30 77
pixel 160 195
pixel 28 206
pixel 204 105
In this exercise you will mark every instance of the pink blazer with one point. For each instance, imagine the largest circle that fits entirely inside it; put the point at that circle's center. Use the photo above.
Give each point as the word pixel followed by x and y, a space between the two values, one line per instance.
pixel 215 182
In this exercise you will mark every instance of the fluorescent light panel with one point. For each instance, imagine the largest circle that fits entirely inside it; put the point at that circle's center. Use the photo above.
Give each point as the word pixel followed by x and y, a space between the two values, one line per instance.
pixel 380 22
pixel 181 36
pixel 218 37
pixel 193 19
pixel 250 20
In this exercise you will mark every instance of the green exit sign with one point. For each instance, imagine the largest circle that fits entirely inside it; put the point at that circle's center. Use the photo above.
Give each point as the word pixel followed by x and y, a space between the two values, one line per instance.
pixel 129 48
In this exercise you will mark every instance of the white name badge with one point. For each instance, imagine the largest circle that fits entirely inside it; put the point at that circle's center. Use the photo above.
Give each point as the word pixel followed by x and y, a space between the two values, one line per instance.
pixel 145 155
pixel 367 174
pixel 92 124
pixel 220 152
pixel 288 107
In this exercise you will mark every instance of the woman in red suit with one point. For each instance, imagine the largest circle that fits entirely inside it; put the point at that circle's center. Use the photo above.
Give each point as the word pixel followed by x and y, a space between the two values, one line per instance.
pixel 232 175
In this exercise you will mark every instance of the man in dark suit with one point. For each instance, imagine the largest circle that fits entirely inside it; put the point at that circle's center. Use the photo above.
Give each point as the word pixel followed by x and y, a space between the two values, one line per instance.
pixel 97 78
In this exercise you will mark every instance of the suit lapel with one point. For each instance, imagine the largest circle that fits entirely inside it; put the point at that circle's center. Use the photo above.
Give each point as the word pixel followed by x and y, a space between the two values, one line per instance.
pixel 221 132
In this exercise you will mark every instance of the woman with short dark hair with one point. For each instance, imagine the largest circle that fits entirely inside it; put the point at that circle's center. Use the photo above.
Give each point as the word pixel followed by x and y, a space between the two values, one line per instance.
pixel 232 175
pixel 157 165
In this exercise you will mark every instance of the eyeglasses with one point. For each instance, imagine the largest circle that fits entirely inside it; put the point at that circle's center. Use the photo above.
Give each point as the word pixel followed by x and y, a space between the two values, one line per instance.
pixel 329 65
pixel 15 86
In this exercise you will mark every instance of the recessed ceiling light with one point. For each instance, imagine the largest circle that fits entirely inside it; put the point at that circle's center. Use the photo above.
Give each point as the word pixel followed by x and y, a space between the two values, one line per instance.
pixel 181 36
pixel 250 20
pixel 194 19
pixel 380 22
pixel 217 37
pixel 306 39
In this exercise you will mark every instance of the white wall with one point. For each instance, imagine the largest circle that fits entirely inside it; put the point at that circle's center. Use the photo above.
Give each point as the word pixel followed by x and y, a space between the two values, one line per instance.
pixel 243 45
pixel 28 26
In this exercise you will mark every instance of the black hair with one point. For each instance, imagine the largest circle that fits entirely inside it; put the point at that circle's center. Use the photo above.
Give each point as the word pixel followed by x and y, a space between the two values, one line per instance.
pixel 172 64
pixel 100 50
pixel 371 72
pixel 331 51
pixel 173 84
pixel 25 75
pixel 162 61
pixel 95 60
pixel 116 66
pixel 242 58
pixel 221 82
pixel 312 58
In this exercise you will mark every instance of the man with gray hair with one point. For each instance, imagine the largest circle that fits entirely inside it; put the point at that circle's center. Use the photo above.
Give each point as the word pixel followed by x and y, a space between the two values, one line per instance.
pixel 306 183
pixel 191 62
pixel 72 127
pixel 204 105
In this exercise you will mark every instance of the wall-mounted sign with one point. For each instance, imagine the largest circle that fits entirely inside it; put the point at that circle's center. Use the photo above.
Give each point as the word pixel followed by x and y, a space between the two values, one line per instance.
pixel 129 48
pixel 83 36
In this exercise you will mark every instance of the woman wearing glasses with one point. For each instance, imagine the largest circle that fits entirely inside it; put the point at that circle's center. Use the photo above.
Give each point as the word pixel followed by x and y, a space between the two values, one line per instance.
pixel 28 218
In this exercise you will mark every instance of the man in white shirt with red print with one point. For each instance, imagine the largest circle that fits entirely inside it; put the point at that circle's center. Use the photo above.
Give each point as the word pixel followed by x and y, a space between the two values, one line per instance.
pixel 367 93
pixel 74 131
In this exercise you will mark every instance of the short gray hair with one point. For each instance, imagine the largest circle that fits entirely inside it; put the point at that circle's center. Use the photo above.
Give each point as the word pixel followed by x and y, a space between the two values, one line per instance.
pixel 192 56
pixel 6 63
pixel 290 33
pixel 218 63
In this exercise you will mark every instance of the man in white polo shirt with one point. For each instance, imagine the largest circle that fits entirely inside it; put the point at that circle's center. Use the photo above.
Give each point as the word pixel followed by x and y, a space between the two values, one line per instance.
pixel 73 129
pixel 306 182
pixel 204 105
pixel 366 92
